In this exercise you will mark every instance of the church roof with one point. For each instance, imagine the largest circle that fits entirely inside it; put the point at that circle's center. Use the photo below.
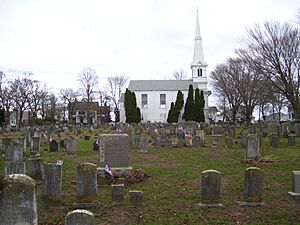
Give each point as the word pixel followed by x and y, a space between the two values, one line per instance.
pixel 159 85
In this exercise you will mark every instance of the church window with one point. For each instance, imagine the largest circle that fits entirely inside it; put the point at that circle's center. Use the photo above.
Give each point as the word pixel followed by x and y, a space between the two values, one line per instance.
pixel 162 101
pixel 199 71
pixel 144 101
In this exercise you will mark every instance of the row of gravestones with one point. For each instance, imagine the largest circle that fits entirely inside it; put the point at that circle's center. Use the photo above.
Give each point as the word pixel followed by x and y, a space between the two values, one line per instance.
pixel 253 188
pixel 18 190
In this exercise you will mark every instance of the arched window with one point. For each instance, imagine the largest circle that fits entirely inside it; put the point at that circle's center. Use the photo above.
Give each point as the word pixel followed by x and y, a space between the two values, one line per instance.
pixel 199 72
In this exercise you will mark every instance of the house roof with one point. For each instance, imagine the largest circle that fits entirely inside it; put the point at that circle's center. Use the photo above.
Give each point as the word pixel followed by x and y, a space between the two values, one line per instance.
pixel 160 85
pixel 83 106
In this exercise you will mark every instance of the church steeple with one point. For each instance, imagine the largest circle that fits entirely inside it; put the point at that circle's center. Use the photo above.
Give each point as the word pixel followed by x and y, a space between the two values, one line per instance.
pixel 198 65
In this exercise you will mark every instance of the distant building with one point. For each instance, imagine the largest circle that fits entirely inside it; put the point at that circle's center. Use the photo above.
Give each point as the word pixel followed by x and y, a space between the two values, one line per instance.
pixel 154 97
pixel 14 118
pixel 291 115
pixel 78 113
pixel 275 117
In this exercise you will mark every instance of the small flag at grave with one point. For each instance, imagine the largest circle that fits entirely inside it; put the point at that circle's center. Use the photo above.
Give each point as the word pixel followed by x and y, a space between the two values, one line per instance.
pixel 108 170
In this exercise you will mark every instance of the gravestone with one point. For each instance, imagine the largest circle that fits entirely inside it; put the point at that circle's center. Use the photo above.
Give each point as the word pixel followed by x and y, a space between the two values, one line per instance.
pixel 35 147
pixel 273 128
pixel 291 140
pixel 136 198
pixel 229 142
pixel 252 129
pixel 210 188
pixel 14 168
pixel 217 135
pixel 53 146
pixel 95 145
pixel 86 182
pixel 274 140
pixel 181 138
pixel 35 169
pixel 62 143
pixel 244 140
pixel 295 193
pixel 143 147
pixel 80 217
pixel 156 141
pixel 71 146
pixel 18 200
pixel 114 150
pixel 137 140
pixel 197 141
pixel 22 144
pixel 253 147
pixel 253 187
pixel 14 152
pixel 5 144
pixel 117 194
pixel 52 181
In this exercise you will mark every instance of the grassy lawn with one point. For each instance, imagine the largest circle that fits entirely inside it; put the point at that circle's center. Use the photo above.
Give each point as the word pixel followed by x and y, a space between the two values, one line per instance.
pixel 172 191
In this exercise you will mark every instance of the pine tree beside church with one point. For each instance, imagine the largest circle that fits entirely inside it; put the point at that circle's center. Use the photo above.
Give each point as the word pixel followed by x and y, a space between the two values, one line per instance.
pixel 132 112
pixel 202 105
pixel 197 107
pixel 189 105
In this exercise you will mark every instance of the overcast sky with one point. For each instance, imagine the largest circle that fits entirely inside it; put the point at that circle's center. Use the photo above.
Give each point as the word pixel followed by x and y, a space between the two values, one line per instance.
pixel 143 39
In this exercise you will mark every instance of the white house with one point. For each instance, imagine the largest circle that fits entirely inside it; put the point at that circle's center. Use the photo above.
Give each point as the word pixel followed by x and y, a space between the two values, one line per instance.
pixel 154 97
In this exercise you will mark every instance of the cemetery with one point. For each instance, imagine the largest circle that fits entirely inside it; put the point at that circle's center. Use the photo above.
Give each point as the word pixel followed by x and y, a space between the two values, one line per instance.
pixel 183 173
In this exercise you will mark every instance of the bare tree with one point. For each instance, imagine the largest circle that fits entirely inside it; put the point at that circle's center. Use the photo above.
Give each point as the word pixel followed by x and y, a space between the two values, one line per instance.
pixel 6 101
pixel 273 51
pixel 115 86
pixel 88 80
pixel 179 74
pixel 68 97
pixel 224 81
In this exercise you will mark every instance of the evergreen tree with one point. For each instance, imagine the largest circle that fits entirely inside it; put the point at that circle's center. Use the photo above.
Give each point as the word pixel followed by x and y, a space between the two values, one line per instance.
pixel 171 118
pixel 202 105
pixel 189 105
pixel 178 105
pixel 132 112
pixel 197 107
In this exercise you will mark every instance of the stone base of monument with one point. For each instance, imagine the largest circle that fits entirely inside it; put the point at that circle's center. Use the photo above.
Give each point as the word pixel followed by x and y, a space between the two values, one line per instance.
pixel 117 171
pixel 294 196
pixel 85 205
pixel 210 205
pixel 243 203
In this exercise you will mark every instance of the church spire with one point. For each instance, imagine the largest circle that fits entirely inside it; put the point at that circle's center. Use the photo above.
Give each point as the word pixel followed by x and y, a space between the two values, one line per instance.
pixel 198 48
pixel 198 65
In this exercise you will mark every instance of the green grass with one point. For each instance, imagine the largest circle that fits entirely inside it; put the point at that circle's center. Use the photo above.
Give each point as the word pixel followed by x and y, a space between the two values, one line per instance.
pixel 172 191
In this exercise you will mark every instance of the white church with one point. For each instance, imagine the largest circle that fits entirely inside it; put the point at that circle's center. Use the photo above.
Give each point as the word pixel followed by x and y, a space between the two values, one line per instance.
pixel 154 97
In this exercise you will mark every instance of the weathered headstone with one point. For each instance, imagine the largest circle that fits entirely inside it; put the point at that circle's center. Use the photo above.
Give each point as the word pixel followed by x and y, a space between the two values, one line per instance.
pixel 18 200
pixel 244 140
pixel 71 146
pixel 14 168
pixel 117 194
pixel 253 147
pixel 274 140
pixel 253 187
pixel 62 143
pixel 197 141
pixel 80 217
pixel 95 145
pixel 5 144
pixel 114 150
pixel 86 182
pixel 295 193
pixel 136 198
pixel 52 181
pixel 297 129
pixel 53 146
pixel 22 144
pixel 252 129
pixel 35 169
pixel 35 147
pixel 210 188
pixel 229 142
pixel 217 135
pixel 14 152
pixel 143 145
pixel 181 138
pixel 273 128
pixel 291 140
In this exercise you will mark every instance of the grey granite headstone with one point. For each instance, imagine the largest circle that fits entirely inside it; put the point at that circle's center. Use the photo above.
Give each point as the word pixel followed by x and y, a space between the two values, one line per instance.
pixel 52 181
pixel 14 168
pixel 5 144
pixel 143 147
pixel 114 150
pixel 35 169
pixel 297 129
pixel 117 194
pixel 274 140
pixel 71 146
pixel 253 187
pixel 80 217
pixel 253 147
pixel 86 182
pixel 18 200
pixel 210 188
pixel 35 147
pixel 181 138
pixel 136 198
pixel 197 141
pixel 14 152
pixel 291 140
